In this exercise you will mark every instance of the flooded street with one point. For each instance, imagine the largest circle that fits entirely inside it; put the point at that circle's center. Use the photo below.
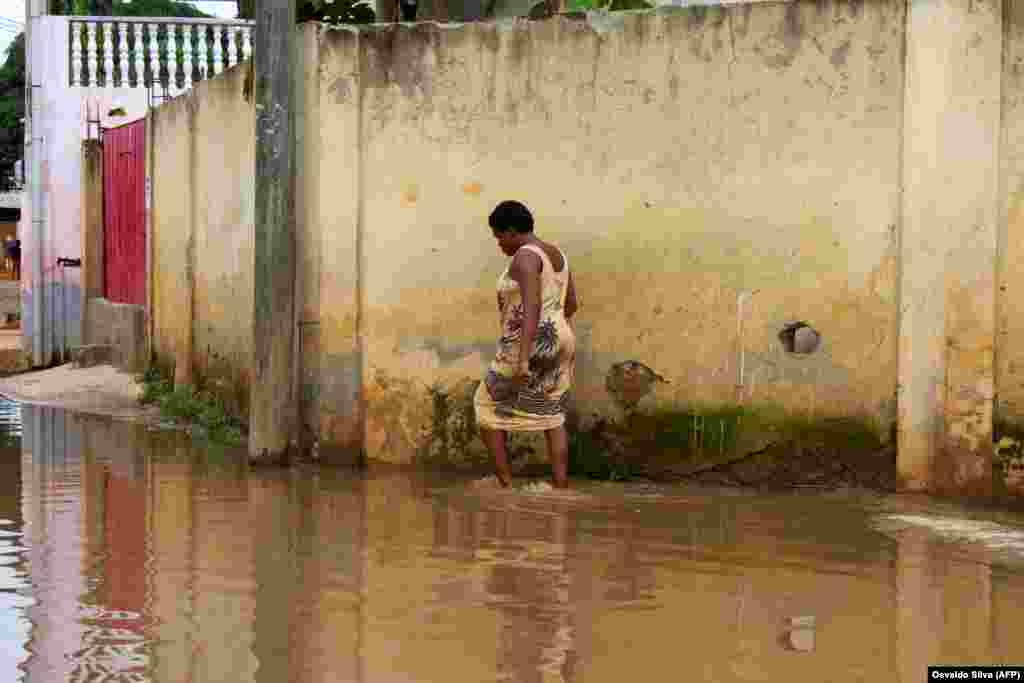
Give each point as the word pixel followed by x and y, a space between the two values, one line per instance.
pixel 127 555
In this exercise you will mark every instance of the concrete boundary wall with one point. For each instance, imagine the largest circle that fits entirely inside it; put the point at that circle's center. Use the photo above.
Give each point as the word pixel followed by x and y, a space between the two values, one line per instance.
pixel 201 162
pixel 948 242
pixel 727 182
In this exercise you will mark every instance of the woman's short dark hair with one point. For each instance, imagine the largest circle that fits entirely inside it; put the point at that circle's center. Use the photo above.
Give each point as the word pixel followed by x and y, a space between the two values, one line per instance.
pixel 511 215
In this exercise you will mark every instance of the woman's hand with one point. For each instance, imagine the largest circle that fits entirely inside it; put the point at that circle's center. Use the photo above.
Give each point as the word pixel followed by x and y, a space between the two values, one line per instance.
pixel 571 303
pixel 522 376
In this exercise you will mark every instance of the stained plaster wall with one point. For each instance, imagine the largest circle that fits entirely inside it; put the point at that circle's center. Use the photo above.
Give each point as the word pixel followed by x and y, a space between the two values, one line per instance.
pixel 1010 317
pixel 202 155
pixel 948 243
pixel 713 173
pixel 705 171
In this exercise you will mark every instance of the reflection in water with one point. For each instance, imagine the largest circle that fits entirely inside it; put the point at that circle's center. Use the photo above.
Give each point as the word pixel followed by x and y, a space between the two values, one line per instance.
pixel 14 583
pixel 133 556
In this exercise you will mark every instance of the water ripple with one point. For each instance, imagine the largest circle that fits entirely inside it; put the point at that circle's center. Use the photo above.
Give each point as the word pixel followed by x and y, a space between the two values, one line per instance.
pixel 998 538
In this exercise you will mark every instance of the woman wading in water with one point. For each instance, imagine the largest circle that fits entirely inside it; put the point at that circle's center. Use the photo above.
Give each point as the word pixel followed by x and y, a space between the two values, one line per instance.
pixel 525 388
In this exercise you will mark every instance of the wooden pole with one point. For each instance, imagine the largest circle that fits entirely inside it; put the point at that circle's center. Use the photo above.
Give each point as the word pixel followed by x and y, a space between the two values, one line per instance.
pixel 272 407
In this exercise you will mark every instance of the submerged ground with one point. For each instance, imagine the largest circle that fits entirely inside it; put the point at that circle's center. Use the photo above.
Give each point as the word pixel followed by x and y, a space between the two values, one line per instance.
pixel 133 555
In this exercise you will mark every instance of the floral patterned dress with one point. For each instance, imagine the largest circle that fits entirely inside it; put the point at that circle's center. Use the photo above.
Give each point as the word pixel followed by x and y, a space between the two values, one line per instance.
pixel 540 405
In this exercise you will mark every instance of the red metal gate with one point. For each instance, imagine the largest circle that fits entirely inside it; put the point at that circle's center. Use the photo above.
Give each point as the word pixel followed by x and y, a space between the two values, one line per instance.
pixel 124 213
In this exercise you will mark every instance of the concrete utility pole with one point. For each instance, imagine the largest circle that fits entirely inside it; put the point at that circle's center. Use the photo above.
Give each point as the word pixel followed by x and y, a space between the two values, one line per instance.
pixel 35 230
pixel 273 408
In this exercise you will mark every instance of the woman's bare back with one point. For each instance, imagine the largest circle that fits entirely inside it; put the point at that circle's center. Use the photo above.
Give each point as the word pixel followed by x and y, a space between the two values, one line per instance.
pixel 554 255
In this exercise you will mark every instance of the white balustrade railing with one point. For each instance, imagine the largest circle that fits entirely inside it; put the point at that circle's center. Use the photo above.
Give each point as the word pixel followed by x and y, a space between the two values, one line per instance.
pixel 155 52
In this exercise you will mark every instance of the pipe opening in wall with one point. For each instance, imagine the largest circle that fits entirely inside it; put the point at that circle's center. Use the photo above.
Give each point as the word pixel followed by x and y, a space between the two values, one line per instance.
pixel 799 337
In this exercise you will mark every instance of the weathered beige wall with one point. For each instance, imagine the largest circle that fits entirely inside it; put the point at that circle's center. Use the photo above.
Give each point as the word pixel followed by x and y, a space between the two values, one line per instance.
pixel 330 186
pixel 948 242
pixel 711 163
pixel 223 219
pixel 171 233
pixel 202 229
pixel 713 173
pixel 1010 304
pixel 707 171
pixel 1009 358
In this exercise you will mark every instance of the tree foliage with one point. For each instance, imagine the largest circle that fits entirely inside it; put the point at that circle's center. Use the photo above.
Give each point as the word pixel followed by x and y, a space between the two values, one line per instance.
pixel 158 8
pixel 12 110
pixel 246 9
pixel 338 12
pixel 137 8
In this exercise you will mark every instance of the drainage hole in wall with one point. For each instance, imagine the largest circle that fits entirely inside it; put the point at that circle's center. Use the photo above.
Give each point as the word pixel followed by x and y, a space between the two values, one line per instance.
pixel 799 337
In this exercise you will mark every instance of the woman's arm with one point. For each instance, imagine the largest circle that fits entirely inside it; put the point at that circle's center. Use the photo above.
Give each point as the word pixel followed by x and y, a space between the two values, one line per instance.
pixel 571 305
pixel 525 270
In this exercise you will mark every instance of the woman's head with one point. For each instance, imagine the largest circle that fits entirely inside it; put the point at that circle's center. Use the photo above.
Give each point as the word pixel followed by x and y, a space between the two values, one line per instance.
pixel 512 224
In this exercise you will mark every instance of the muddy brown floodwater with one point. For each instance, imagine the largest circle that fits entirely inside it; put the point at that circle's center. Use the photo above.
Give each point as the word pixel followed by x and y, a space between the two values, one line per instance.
pixel 128 555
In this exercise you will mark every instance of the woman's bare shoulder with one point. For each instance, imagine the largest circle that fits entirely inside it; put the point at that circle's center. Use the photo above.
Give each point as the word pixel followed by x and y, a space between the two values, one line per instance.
pixel 525 261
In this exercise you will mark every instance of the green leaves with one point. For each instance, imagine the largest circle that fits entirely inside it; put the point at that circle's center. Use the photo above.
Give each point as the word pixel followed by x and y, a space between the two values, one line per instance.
pixel 616 5
pixel 204 411
pixel 337 12
pixel 12 109
pixel 607 5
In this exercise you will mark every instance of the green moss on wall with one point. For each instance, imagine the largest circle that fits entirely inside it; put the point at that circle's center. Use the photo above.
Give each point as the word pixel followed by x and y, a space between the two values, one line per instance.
pixel 660 443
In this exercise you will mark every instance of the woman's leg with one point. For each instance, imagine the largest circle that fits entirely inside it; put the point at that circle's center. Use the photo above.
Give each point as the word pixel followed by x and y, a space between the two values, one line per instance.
pixel 558 454
pixel 495 441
